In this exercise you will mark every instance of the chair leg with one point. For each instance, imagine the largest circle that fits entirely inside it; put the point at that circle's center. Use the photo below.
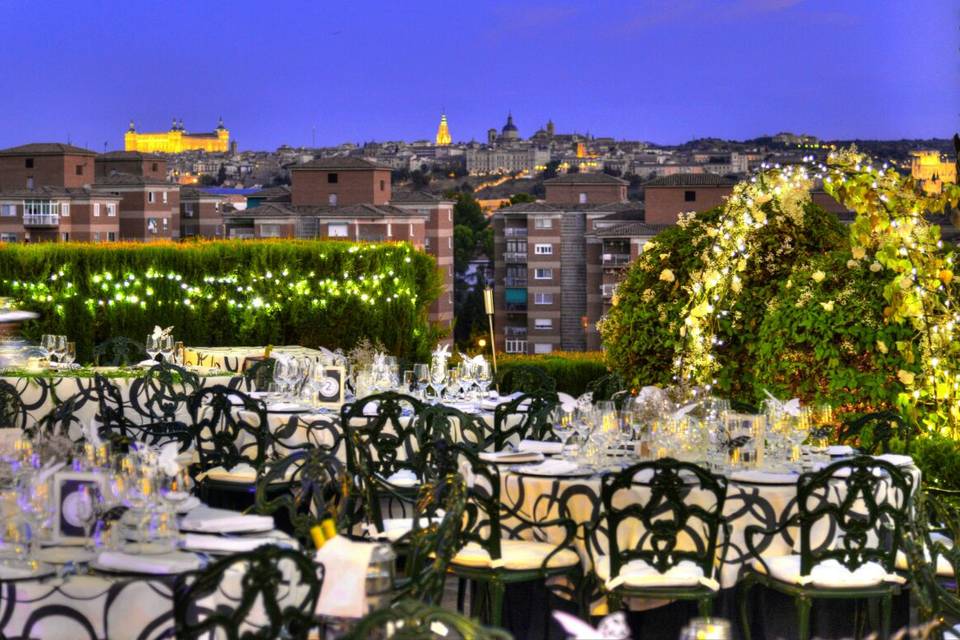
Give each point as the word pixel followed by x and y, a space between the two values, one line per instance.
pixel 743 596
pixel 873 616
pixel 803 613
pixel 497 589
pixel 705 606
pixel 461 593
pixel 886 609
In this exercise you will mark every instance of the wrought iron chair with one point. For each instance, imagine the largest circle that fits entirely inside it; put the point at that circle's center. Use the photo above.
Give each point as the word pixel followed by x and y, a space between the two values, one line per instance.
pixel 61 420
pixel 300 432
pixel 611 386
pixel 527 378
pixel 383 441
pixel 867 503
pixel 495 552
pixel 259 373
pixel 662 521
pixel 303 489
pixel 13 413
pixel 440 422
pixel 414 620
pixel 118 351
pixel 872 433
pixel 933 560
pixel 281 584
pixel 230 428
pixel 526 416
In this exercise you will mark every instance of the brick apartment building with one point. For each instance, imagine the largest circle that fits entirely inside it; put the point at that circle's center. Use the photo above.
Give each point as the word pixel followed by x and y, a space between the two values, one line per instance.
pixel 150 205
pixel 201 214
pixel 667 197
pixel 351 198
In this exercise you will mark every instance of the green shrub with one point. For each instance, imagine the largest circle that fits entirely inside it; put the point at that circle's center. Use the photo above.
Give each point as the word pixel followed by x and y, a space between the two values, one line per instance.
pixel 312 293
pixel 572 371
pixel 642 332
pixel 938 458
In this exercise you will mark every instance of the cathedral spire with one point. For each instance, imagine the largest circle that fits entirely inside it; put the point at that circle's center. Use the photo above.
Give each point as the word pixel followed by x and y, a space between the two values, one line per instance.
pixel 443 131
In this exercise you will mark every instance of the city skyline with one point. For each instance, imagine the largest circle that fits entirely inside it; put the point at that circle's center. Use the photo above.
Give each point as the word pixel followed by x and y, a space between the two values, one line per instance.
pixel 660 72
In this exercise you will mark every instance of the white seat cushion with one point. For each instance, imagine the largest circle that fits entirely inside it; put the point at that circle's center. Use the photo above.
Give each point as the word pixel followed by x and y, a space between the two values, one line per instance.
pixel 517 555
pixel 396 528
pixel 639 573
pixel 829 574
pixel 944 568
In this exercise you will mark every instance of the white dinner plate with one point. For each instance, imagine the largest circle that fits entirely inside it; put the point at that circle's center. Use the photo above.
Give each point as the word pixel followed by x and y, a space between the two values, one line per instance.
pixel 65 555
pixel 532 470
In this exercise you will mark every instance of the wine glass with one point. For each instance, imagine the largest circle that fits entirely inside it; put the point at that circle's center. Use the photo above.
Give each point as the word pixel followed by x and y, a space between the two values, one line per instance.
pixel 49 344
pixel 166 348
pixel 562 425
pixel 438 378
pixel 453 382
pixel 69 353
pixel 86 511
pixel 175 487
pixel 152 346
pixel 482 376
pixel 408 381
pixel 59 347
pixel 33 498
pixel 421 376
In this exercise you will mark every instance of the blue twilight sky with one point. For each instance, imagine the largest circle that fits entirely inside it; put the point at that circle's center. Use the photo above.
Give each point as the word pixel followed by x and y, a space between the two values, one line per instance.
pixel 663 71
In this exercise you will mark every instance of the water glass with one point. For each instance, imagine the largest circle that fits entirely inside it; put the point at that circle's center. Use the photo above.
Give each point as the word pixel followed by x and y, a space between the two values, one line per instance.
pixel 753 428
pixel 152 346
pixel 166 348
pixel 421 376
pixel 48 342
pixel 69 353
pixel 408 381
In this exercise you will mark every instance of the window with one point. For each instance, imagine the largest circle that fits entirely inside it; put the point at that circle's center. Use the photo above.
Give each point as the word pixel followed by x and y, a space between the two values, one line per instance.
pixel 389 230
pixel 543 249
pixel 411 229
pixel 383 185
pixel 689 196
pixel 96 209
pixel 79 169
pixel 333 178
pixel 155 167
pixel 542 347
pixel 583 200
pixel 164 197
pixel 338 230
pixel 269 231
pixel 543 298
pixel 65 209
pixel 543 323
pixel 8 210
pixel 149 196
pixel 96 236
pixel 151 225
pixel 112 236
pixel 165 223
pixel 8 237
pixel 515 346
pixel 332 199
pixel 188 209
pixel 28 163
pixel 29 182
pixel 543 274
pixel 65 236
pixel 542 223
pixel 111 209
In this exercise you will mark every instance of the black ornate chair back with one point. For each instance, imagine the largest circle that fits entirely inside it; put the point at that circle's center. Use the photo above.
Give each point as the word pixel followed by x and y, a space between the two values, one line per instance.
pixel 936 521
pixel 434 539
pixel 315 485
pixel 527 378
pixel 675 509
pixel 415 620
pixel 872 433
pixel 440 422
pixel 62 420
pixel 160 394
pixel 866 502
pixel 118 351
pixel 300 432
pixel 611 386
pixel 526 416
pixel 123 426
pixel 259 374
pixel 229 428
pixel 13 413
pixel 281 585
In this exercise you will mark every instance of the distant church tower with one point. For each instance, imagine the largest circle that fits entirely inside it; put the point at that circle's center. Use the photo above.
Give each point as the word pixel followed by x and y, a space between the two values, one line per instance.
pixel 443 131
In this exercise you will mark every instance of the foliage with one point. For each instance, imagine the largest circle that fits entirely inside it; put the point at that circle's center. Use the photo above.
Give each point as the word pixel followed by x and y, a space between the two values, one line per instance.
pixel 227 292
pixel 642 332
pixel 938 458
pixel 573 371
pixel 520 198
pixel 824 337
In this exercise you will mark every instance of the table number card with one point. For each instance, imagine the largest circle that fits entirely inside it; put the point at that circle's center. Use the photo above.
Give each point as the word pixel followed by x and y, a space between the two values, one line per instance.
pixel 73 506
pixel 330 392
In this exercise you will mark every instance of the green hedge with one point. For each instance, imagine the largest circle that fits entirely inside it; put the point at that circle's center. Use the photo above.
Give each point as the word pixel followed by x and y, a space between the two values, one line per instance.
pixel 327 293
pixel 573 371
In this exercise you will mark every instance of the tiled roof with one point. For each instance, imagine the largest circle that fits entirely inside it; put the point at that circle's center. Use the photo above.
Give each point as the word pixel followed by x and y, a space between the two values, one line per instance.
pixel 129 155
pixel 691 180
pixel 46 149
pixel 272 193
pixel 546 207
pixel 192 193
pixel 585 178
pixel 284 210
pixel 629 215
pixel 55 192
pixel 119 178
pixel 345 163
pixel 415 196
pixel 631 230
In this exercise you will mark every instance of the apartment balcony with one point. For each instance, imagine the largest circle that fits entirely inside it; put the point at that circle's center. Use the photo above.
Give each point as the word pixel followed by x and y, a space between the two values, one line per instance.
pixel 41 219
pixel 615 259
pixel 607 290
pixel 515 281
pixel 515 232
pixel 515 332
pixel 514 256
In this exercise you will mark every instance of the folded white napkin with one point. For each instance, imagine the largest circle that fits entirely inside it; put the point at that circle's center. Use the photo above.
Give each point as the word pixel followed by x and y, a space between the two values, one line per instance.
pixel 345 563
pixel 146 363
pixel 188 505
pixel 612 627
pixel 204 542
pixel 206 519
pixel 242 472
pixel 159 564
pixel 511 456
pixel 552 467
pixel 895 459
pixel 763 477
pixel 840 450
pixel 284 407
pixel 540 447
pixel 403 478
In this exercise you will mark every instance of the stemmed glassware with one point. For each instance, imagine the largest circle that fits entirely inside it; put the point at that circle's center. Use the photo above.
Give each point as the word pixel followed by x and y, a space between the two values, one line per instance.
pixel 453 383
pixel 34 500
pixel 54 345
pixel 438 378
pixel 421 376
pixel 166 348
pixel 152 346
pixel 562 422
pixel 69 353
pixel 483 377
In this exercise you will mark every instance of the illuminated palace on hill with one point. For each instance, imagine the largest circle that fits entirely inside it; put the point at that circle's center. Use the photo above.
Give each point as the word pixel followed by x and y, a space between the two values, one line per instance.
pixel 177 140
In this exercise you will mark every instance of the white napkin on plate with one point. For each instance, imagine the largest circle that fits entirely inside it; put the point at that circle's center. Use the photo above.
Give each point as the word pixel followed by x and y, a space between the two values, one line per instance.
pixel 206 519
pixel 840 450
pixel 511 456
pixel 404 478
pixel 160 564
pixel 206 542
pixel 146 363
pixel 552 467
pixel 242 472
pixel 345 564
pixel 188 505
pixel 540 447
pixel 612 627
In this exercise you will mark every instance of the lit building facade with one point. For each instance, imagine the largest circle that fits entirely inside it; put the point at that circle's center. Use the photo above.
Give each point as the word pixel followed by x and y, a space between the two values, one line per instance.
pixel 443 132
pixel 932 170
pixel 177 140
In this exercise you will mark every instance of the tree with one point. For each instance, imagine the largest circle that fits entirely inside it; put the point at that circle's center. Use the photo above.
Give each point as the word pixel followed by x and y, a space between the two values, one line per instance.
pixel 419 179
pixel 464 247
pixel 222 174
pixel 467 212
pixel 574 168
pixel 519 198
pixel 207 180
pixel 550 170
